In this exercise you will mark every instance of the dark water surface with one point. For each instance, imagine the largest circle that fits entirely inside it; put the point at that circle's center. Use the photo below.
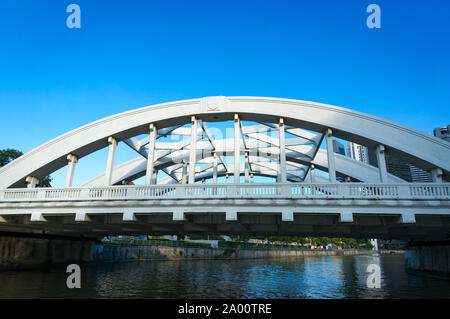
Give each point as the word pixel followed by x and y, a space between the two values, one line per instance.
pixel 309 277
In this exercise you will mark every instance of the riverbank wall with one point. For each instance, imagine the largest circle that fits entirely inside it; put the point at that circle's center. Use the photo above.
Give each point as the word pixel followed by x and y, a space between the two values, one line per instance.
pixel 136 252
pixel 431 258
pixel 28 252
pixel 34 252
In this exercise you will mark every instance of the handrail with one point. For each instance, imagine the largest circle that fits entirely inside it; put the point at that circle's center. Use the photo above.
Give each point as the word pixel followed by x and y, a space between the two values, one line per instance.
pixel 428 191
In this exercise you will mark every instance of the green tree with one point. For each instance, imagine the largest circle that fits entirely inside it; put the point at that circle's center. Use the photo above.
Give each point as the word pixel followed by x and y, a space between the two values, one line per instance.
pixel 45 182
pixel 8 155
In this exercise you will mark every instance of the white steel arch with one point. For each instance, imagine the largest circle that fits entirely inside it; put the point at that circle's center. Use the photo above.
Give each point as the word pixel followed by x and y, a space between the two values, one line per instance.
pixel 415 147
pixel 135 168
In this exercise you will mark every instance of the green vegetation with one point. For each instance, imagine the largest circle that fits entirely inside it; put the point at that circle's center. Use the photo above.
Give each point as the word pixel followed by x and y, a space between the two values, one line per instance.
pixel 234 244
pixel 8 155
pixel 157 242
pixel 272 242
pixel 316 241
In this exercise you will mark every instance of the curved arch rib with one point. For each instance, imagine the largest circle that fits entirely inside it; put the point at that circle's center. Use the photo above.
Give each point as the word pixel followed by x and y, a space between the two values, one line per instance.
pixel 415 147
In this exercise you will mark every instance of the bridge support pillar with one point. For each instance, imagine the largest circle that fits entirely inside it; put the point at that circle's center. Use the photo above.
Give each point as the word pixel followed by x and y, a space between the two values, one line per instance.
pixel 287 215
pixel 346 217
pixel 151 155
pixel 184 173
pixel 129 216
pixel 431 258
pixel 330 154
pixel 178 215
pixel 246 170
pixel 381 158
pixel 407 218
pixel 237 147
pixel 193 150
pixel 312 173
pixel 82 218
pixel 37 217
pixel 155 177
pixel 110 162
pixel 282 145
pixel 278 172
pixel 231 216
pixel 72 160
pixel 32 182
pixel 436 175
pixel 215 168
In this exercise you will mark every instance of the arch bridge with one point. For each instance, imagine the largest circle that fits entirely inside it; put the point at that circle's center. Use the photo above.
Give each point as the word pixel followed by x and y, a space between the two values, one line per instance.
pixel 233 165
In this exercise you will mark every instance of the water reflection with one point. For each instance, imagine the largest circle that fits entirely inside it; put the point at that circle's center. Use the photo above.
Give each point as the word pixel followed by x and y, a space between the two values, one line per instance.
pixel 309 277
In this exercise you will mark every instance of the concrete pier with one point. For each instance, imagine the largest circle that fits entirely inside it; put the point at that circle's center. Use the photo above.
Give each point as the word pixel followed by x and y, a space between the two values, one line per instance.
pixel 432 258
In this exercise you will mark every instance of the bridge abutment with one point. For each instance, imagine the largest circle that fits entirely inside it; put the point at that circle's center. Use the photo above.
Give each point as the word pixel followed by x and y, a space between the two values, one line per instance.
pixel 431 258
pixel 29 251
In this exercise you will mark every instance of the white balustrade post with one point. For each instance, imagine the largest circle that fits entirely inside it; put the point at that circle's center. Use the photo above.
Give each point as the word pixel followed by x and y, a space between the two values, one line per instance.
pixel 282 153
pixel 110 162
pixel 380 150
pixel 330 154
pixel 149 176
pixel 237 148
pixel 436 175
pixel 180 191
pixel 193 151
pixel 72 160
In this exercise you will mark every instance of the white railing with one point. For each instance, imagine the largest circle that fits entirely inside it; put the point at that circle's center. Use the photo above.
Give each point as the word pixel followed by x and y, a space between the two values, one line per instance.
pixel 255 191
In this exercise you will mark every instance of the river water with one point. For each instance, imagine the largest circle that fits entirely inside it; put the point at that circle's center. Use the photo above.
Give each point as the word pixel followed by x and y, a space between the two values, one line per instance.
pixel 308 277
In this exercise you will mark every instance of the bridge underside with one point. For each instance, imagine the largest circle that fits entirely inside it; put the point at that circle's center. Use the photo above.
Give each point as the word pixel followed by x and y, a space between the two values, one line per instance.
pixel 209 222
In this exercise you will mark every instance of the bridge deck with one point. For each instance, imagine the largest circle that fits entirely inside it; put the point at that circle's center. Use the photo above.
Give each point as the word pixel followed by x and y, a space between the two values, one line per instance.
pixel 401 211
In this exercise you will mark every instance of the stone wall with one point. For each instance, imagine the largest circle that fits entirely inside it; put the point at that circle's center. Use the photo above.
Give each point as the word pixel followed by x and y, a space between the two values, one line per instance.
pixel 34 252
pixel 134 252
pixel 431 258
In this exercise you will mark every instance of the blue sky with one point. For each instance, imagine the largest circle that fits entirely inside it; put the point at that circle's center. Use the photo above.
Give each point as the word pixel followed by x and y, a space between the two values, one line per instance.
pixel 130 54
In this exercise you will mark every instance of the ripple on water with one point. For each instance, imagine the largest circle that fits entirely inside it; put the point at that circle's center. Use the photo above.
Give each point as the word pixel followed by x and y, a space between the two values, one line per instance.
pixel 309 277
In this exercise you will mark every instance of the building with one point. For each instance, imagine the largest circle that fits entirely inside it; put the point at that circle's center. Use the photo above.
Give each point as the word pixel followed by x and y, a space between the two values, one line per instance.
pixel 443 133
pixel 398 168
pixel 394 166
pixel 338 147
pixel 357 152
